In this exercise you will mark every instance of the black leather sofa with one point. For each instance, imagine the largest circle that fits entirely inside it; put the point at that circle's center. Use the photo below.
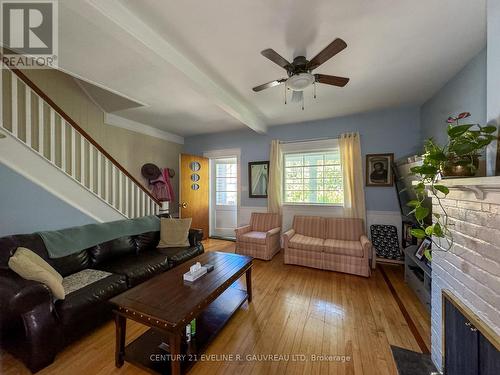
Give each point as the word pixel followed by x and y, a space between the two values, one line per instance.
pixel 35 329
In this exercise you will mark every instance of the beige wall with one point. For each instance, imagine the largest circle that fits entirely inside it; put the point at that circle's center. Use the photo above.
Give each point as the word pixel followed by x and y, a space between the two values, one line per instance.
pixel 130 149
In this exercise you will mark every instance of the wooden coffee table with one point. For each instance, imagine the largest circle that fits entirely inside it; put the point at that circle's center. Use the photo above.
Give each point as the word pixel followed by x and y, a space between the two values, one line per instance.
pixel 167 303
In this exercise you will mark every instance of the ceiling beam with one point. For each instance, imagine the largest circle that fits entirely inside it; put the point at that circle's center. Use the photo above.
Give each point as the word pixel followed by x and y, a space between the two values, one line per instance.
pixel 133 25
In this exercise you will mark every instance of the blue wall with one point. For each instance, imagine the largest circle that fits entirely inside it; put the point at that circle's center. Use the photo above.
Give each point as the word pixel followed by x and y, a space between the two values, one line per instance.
pixel 393 130
pixel 493 85
pixel 26 207
pixel 465 92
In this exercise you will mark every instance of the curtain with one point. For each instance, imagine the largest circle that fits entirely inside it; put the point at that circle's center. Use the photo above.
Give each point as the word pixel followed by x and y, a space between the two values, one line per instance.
pixel 352 171
pixel 274 187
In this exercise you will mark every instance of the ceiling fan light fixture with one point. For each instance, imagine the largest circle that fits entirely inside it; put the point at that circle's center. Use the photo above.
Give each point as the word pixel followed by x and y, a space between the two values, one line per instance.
pixel 299 82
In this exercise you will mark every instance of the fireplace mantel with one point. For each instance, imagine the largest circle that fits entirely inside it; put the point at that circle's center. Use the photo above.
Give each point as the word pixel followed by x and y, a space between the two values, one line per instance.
pixel 478 185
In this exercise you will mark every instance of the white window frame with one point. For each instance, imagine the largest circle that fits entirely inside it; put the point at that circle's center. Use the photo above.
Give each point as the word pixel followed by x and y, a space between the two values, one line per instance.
pixel 327 145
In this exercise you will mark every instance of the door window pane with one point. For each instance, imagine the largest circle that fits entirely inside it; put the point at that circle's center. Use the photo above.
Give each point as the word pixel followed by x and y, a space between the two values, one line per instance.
pixel 226 183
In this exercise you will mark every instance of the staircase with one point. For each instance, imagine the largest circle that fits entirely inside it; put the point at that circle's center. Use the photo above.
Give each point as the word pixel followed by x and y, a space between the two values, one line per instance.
pixel 46 146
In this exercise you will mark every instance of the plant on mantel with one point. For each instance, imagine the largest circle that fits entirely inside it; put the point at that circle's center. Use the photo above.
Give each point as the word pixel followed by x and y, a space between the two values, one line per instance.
pixel 458 158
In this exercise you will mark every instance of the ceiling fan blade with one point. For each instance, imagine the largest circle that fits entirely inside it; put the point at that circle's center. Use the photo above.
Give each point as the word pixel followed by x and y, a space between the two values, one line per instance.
pixel 276 58
pixel 269 84
pixel 328 52
pixel 331 80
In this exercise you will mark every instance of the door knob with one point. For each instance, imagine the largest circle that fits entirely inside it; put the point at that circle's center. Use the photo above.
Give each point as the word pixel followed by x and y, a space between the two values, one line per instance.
pixel 183 205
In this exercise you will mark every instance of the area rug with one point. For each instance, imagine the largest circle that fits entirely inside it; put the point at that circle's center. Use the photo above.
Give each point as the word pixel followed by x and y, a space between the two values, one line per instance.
pixel 412 363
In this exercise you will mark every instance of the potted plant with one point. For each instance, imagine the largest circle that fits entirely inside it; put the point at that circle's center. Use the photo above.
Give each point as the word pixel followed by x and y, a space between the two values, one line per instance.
pixel 458 158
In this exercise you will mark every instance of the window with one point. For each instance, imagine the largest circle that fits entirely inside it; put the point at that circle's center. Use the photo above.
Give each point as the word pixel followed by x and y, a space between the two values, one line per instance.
pixel 313 178
pixel 226 190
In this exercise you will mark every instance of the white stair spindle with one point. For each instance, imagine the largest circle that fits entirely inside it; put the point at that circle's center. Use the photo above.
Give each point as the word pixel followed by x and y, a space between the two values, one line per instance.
pixel 14 130
pixel 132 211
pixel 140 202
pixel 127 197
pixel 99 174
pixel 120 191
pixel 82 160
pixel 41 127
pixel 28 116
pixel 137 202
pixel 52 136
pixel 63 145
pixel 133 201
pixel 106 180
pixel 91 167
pixel 73 152
pixel 113 185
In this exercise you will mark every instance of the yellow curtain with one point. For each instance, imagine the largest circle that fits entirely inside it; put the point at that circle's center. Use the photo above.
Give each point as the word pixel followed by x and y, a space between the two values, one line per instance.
pixel 274 188
pixel 352 171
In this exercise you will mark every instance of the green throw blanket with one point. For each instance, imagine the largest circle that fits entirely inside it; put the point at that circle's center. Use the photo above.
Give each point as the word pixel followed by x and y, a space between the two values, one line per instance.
pixel 60 243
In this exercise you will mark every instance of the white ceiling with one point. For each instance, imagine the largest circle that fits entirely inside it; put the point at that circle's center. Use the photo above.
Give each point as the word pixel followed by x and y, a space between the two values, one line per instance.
pixel 194 62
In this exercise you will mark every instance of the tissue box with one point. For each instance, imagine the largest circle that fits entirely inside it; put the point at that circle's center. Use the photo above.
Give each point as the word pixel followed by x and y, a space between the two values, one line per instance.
pixel 192 276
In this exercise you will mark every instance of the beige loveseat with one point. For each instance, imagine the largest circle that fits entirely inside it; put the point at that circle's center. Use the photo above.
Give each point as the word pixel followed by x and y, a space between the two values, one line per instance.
pixel 335 244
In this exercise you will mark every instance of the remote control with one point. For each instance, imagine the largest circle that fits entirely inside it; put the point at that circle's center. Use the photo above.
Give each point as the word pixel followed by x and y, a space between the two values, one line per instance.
pixel 209 267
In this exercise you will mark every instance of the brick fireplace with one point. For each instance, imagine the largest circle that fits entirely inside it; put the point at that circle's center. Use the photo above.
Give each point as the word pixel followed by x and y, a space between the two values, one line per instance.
pixel 471 270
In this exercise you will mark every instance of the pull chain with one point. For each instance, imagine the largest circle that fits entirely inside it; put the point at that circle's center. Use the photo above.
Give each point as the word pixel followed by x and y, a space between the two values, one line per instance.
pixel 314 89
pixel 285 93
pixel 302 100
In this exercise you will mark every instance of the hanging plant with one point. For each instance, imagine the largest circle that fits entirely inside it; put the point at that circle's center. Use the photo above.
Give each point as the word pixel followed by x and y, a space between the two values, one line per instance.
pixel 458 158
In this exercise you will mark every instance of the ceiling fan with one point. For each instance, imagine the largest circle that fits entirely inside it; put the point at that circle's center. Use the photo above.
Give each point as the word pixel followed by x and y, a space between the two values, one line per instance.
pixel 299 71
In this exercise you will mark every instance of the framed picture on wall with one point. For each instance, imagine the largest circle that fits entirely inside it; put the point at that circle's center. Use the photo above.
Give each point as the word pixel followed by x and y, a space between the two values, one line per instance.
pixel 258 176
pixel 425 245
pixel 379 169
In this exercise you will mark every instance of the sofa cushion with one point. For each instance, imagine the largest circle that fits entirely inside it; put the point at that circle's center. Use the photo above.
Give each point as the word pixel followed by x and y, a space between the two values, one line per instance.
pixel 147 241
pixel 86 307
pixel 310 226
pixel 31 266
pixel 178 255
pixel 341 247
pixel 71 264
pixel 108 250
pixel 81 279
pixel 298 241
pixel 137 268
pixel 344 228
pixel 9 245
pixel 262 221
pixel 174 232
pixel 254 237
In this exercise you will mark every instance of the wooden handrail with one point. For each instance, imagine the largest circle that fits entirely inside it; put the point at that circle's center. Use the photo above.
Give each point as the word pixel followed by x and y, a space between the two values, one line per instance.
pixel 70 121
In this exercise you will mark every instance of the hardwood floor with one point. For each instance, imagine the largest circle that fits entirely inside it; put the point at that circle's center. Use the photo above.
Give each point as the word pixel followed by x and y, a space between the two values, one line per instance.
pixel 296 312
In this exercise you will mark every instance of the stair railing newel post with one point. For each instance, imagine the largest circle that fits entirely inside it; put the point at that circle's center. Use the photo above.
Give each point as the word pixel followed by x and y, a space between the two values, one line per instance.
pixel 60 123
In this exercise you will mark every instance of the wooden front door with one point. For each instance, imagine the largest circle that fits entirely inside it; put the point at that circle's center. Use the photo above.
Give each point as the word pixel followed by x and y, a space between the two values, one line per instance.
pixel 194 187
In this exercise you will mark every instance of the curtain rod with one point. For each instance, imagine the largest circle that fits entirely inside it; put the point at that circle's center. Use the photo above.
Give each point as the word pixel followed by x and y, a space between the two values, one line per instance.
pixel 314 139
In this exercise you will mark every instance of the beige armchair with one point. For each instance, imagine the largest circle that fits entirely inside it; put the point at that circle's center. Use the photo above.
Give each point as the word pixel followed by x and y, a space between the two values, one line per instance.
pixel 261 238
